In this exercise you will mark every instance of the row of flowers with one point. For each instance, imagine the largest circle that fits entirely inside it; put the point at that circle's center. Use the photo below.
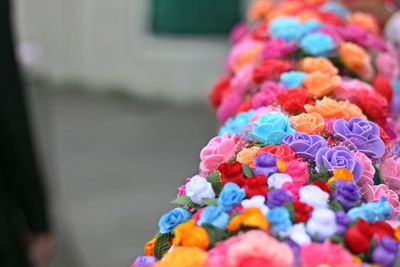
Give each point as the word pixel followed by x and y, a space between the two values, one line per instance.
pixel 305 170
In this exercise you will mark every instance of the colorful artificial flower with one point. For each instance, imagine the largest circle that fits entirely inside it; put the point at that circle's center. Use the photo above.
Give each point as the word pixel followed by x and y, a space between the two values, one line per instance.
pixel 188 234
pixel 271 128
pixel 305 145
pixel 310 123
pixel 320 64
pixel 198 188
pixel 183 257
pixel 231 195
pixel 292 79
pixel 319 84
pixel 318 44
pixel 232 173
pixel 173 218
pixel 332 109
pixel 215 216
pixel 293 101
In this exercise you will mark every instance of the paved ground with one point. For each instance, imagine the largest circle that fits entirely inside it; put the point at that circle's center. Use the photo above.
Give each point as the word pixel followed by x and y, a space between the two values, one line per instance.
pixel 115 165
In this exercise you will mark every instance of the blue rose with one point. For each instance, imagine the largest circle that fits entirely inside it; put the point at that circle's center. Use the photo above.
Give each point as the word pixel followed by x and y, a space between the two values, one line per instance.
pixel 293 79
pixel 318 44
pixel 214 216
pixel 310 26
pixel 170 220
pixel 230 196
pixel 287 28
pixel 238 124
pixel 271 128
pixel 279 219
pixel 372 211
pixel 336 8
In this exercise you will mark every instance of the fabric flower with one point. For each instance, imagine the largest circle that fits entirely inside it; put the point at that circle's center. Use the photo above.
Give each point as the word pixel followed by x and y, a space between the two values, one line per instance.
pixel 304 145
pixel 188 234
pixel 372 211
pixel 198 188
pixel 332 109
pixel 214 216
pixel 282 152
pixel 319 84
pixel 313 196
pixel 302 211
pixel 149 247
pixel 375 192
pixel 279 219
pixel 298 171
pixel 292 79
pixel 271 128
pixel 364 20
pixel 278 48
pixel 219 90
pixel 386 252
pixel 238 124
pixel 387 65
pixel 267 95
pixel 368 172
pixel 338 158
pixel 360 134
pixel 286 28
pixel 248 155
pixel 278 198
pixel 170 220
pixel 320 64
pixel 265 164
pixel 228 106
pixel 354 57
pixel 322 224
pixel 383 86
pixel 270 69
pixel 390 173
pixel 327 253
pixel 256 185
pixel 277 180
pixel 293 101
pixel 250 218
pixel 218 150
pixel 232 173
pixel 372 104
pixel 145 261
pixel 230 196
pixel 183 257
pixel 297 233
pixel 310 123
pixel 256 202
pixel 318 44
pixel 358 237
pixel 347 194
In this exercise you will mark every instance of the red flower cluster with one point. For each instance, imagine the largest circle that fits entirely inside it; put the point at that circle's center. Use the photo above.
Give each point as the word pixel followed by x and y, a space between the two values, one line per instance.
pixel 322 186
pixel 293 100
pixel 270 69
pixel 373 104
pixel 302 211
pixel 256 185
pixel 232 173
pixel 219 90
pixel 282 152
pixel 260 33
pixel 358 237
pixel 383 87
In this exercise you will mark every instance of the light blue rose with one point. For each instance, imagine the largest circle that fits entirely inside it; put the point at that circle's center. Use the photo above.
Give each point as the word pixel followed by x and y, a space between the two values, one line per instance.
pixel 372 211
pixel 287 28
pixel 318 44
pixel 238 124
pixel 279 219
pixel 293 79
pixel 214 216
pixel 336 8
pixel 310 26
pixel 271 128
pixel 170 220
pixel 396 86
pixel 230 196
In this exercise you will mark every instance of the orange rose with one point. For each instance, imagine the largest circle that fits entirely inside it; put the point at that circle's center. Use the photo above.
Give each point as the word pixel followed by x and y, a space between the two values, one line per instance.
pixel 149 247
pixel 247 57
pixel 283 9
pixel 311 123
pixel 365 21
pixel 259 9
pixel 307 15
pixel 321 64
pixel 247 155
pixel 354 57
pixel 251 217
pixel 319 84
pixel 188 234
pixel 397 233
pixel 340 174
pixel 330 108
pixel 183 257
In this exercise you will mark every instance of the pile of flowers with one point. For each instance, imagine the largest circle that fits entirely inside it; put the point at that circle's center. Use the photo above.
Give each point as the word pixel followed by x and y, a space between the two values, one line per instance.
pixel 305 170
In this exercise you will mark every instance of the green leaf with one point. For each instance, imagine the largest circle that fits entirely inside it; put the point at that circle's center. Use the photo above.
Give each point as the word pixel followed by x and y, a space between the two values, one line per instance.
pixel 322 175
pixel 210 201
pixel 290 208
pixel 162 245
pixel 335 206
pixel 247 170
pixel 215 180
pixel 214 234
pixel 337 239
pixel 185 201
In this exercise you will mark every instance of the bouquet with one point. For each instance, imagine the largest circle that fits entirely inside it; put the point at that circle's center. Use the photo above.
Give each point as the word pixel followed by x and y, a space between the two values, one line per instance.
pixel 305 170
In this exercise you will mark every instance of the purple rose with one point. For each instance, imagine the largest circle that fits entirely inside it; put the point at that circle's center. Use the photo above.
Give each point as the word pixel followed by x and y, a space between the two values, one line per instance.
pixel 362 135
pixel 338 157
pixel 145 261
pixel 304 145
pixel 347 194
pixel 342 221
pixel 278 198
pixel 265 164
pixel 385 253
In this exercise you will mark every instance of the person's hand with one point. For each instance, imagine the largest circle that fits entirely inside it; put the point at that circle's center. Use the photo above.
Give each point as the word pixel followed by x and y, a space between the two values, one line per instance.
pixel 40 249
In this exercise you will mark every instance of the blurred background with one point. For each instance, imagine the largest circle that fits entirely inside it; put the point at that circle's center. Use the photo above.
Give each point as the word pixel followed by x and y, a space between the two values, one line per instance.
pixel 118 93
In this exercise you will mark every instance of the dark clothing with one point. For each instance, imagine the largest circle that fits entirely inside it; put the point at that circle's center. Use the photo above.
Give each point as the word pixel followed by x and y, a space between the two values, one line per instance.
pixel 22 200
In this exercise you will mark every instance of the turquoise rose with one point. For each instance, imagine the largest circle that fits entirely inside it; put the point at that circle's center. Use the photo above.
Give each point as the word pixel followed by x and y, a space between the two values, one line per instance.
pixel 293 79
pixel 238 124
pixel 287 28
pixel 214 216
pixel 279 219
pixel 318 44
pixel 169 221
pixel 271 128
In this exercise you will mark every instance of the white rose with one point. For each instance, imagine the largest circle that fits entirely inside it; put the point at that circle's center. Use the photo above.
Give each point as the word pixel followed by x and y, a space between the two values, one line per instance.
pixel 314 196
pixel 322 224
pixel 256 202
pixel 198 188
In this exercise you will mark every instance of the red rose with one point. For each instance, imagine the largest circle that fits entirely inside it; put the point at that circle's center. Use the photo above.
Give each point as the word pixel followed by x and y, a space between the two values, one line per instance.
pixel 282 152
pixel 232 172
pixel 330 18
pixel 270 69
pixel 358 237
pixel 219 90
pixel 322 186
pixel 245 106
pixel 381 229
pixel 373 104
pixel 256 185
pixel 383 87
pixel 260 33
pixel 302 211
pixel 293 100
pixel 384 136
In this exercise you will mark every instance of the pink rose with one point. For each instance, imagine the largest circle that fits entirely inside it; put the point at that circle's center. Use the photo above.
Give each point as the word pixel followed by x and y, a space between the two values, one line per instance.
pixel 375 192
pixel 243 80
pixel 182 188
pixel 236 51
pixel 350 89
pixel 228 106
pixel 298 170
pixel 390 173
pixel 293 188
pixel 388 65
pixel 220 149
pixel 367 175
pixel 257 248
pixel 217 255
pixel 267 95
pixel 278 48
pixel 238 32
pixel 329 254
